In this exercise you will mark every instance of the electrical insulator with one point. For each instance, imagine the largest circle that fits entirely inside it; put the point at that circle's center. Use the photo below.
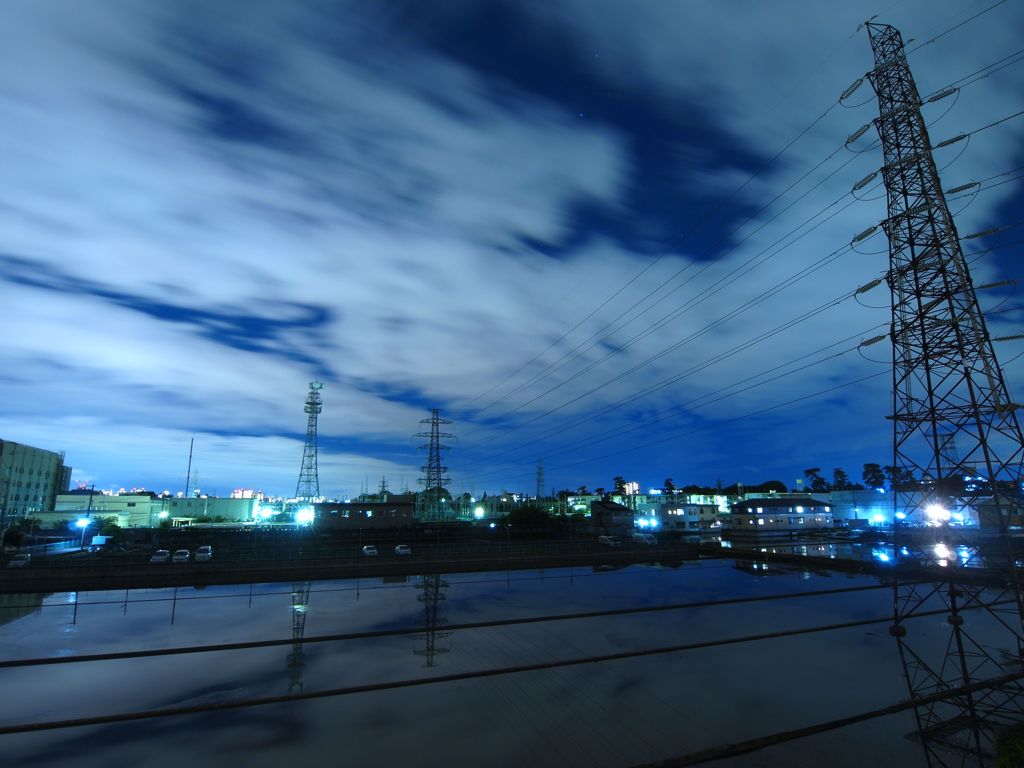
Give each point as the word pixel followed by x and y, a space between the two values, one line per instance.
pixel 858 133
pixel 953 140
pixel 852 89
pixel 1014 337
pixel 868 286
pixel 941 95
pixel 983 233
pixel 873 340
pixel 999 284
pixel 865 181
pixel 963 187
pixel 864 235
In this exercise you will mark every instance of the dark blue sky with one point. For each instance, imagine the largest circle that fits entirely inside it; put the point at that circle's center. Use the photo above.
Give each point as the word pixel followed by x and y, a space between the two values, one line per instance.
pixel 569 228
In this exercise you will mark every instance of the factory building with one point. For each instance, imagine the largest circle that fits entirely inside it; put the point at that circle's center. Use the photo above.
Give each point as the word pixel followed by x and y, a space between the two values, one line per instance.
pixel 30 479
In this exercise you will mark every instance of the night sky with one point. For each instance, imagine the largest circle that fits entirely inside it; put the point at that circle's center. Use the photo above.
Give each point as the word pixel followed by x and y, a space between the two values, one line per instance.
pixel 567 225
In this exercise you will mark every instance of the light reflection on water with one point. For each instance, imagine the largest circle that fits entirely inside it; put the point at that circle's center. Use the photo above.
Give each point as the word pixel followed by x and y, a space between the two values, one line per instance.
pixel 607 714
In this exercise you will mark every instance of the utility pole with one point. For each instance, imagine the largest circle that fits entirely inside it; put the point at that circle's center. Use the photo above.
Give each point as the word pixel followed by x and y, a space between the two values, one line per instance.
pixel 309 482
pixel 435 475
pixel 952 419
pixel 540 479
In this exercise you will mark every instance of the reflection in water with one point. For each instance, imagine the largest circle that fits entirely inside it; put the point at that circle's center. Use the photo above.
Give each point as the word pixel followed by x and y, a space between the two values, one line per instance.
pixel 297 659
pixel 432 594
pixel 13 607
pixel 611 713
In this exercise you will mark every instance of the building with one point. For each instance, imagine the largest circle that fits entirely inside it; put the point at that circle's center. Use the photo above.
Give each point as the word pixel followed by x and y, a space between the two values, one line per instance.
pixel 774 515
pixel 30 479
pixel 611 518
pixel 398 511
pixel 147 510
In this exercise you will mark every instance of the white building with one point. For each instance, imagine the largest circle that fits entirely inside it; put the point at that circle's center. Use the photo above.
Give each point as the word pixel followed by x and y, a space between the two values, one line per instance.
pixel 30 478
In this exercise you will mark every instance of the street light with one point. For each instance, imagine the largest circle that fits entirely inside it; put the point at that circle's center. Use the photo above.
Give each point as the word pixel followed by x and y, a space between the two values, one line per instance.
pixel 83 523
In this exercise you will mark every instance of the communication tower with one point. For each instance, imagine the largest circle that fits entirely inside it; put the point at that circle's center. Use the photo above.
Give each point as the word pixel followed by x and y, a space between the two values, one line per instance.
pixel 309 482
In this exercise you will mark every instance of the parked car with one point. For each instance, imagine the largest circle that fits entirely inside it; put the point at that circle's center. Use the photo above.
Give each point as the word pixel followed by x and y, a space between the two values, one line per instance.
pixel 403 549
pixel 369 551
pixel 161 556
pixel 609 541
pixel 644 538
pixel 204 554
pixel 20 560
pixel 181 556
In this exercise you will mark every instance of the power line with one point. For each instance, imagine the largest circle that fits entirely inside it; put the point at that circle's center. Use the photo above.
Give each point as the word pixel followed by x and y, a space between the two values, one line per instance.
pixel 438 679
pixel 404 631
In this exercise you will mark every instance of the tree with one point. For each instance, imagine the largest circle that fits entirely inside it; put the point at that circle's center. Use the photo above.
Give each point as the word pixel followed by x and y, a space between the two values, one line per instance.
pixel 840 480
pixel 815 482
pixel 669 487
pixel 600 492
pixel 582 491
pixel 619 483
pixel 769 486
pixel 873 476
pixel 900 479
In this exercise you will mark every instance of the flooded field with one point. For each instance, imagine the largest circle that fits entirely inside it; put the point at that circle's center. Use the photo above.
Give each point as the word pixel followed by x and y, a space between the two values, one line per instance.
pixel 631 710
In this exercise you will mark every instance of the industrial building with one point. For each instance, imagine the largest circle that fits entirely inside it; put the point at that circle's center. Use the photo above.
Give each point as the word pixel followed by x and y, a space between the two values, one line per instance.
pixel 397 511
pixel 779 516
pixel 30 479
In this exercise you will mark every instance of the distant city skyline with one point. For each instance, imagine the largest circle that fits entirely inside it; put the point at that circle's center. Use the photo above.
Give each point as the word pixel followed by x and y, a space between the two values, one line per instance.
pixel 615 239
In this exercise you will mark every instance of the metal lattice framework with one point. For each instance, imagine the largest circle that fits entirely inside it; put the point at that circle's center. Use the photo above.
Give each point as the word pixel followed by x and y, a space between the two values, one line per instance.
pixel 435 475
pixel 432 595
pixel 540 479
pixel 957 445
pixel 309 482
pixel 297 659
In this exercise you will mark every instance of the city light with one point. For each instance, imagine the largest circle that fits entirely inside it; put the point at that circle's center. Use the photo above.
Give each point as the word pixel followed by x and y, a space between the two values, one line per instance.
pixel 163 515
pixel 82 522
pixel 937 514
pixel 901 515
pixel 478 513
pixel 878 519
pixel 305 516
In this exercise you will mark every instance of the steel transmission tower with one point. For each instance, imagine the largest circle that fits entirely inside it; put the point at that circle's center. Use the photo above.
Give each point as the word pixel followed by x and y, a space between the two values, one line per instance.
pixel 309 482
pixel 435 475
pixel 433 594
pixel 297 659
pixel 540 479
pixel 952 419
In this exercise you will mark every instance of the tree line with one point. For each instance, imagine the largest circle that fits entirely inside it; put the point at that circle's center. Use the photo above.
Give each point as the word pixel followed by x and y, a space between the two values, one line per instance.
pixel 873 476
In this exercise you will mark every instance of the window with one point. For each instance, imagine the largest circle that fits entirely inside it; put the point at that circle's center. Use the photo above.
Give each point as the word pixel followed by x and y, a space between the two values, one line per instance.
pixel 760 521
pixel 760 510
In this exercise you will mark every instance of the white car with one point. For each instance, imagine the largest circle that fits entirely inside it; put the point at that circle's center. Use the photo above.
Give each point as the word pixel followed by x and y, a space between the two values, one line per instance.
pixel 20 560
pixel 403 549
pixel 181 556
pixel 161 556
pixel 204 554
pixel 369 551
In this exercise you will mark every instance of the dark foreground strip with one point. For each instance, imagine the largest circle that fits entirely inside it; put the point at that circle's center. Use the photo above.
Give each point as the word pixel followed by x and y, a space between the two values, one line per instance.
pixel 458 677
pixel 118 655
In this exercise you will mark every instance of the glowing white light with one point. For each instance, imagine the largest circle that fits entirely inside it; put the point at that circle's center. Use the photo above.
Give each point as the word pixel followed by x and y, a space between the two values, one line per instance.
pixel 493 525
pixel 305 516
pixel 878 519
pixel 83 522
pixel 654 523
pixel 478 513
pixel 163 515
pixel 642 522
pixel 901 515
pixel 937 513
pixel 882 557
pixel 941 551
